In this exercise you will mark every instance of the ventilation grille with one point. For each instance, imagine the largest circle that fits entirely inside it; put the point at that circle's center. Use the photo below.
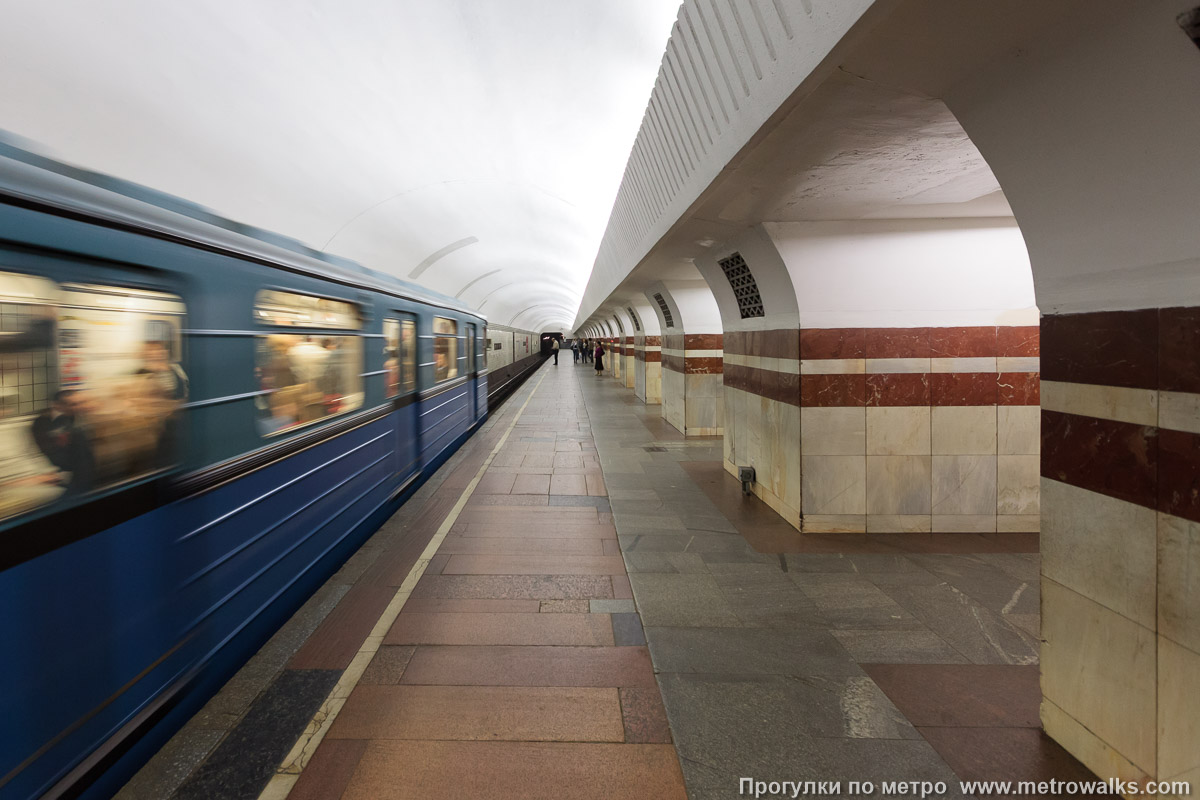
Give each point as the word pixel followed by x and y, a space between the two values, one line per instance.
pixel 658 298
pixel 737 272
pixel 637 326
pixel 620 327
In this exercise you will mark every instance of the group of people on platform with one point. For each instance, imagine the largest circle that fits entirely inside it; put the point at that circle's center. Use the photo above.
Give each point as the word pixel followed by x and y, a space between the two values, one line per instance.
pixel 585 350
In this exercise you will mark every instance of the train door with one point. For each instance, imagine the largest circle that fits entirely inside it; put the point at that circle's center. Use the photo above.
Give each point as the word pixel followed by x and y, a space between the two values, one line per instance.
pixel 472 372
pixel 400 369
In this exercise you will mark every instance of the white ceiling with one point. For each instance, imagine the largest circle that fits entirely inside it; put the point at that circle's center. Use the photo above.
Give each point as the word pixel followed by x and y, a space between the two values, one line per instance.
pixel 466 140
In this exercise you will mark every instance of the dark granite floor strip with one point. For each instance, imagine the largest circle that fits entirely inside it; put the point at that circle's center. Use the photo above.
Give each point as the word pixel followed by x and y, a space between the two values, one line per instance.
pixel 244 762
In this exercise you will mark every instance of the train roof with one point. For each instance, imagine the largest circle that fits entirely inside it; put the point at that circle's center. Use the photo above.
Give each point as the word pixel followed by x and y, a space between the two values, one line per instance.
pixel 32 177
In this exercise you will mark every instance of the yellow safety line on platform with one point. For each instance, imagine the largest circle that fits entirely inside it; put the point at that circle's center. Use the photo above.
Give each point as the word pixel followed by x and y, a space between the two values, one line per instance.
pixel 288 773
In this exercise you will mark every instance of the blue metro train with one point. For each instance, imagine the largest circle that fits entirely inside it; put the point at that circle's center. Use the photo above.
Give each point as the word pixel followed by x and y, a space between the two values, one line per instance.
pixel 198 423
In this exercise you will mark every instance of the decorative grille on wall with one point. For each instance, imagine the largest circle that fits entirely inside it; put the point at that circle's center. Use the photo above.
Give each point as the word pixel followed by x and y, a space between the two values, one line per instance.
pixel 658 298
pixel 620 327
pixel 637 326
pixel 737 272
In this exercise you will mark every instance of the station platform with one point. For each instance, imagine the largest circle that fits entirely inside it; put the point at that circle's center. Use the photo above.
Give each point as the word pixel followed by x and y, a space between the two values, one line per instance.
pixel 581 604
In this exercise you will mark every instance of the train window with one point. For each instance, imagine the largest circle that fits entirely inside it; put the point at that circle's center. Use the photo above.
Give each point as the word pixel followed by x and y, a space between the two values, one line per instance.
pixel 291 310
pixel 408 354
pixel 445 349
pixel 400 355
pixel 306 377
pixel 91 387
pixel 391 357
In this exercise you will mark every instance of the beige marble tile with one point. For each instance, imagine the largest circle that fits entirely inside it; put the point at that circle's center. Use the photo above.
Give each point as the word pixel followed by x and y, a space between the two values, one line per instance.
pixel 1018 430
pixel 1018 484
pixel 835 484
pixel 898 431
pixel 1179 580
pixel 964 523
pixel 963 430
pixel 783 432
pixel 978 364
pixel 833 366
pixel 1101 547
pixel 1179 411
pixel 673 399
pixel 1099 667
pixel 1095 753
pixel 701 413
pixel 899 484
pixel 964 485
pixel 1178 708
pixel 899 523
pixel 834 523
pixel 833 431
pixel 1018 364
pixel 894 365
pixel 1018 523
pixel 1137 406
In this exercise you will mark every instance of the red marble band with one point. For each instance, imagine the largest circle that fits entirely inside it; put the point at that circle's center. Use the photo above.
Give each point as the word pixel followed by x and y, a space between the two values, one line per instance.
pixel 967 342
pixel 779 386
pixel 920 389
pixel 783 343
pixel 700 365
pixel 703 341
pixel 1113 458
pixel 1155 349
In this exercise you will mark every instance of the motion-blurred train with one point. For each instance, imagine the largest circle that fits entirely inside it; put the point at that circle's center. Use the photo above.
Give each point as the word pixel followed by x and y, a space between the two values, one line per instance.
pixel 198 423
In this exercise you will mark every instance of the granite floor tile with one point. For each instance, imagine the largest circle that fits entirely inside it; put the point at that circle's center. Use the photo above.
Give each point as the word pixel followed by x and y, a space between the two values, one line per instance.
pixel 896 646
pixel 627 630
pixel 971 629
pixel 576 606
pixel 329 771
pixel 516 771
pixel 598 503
pixel 245 760
pixel 495 483
pixel 986 584
pixel 534 565
pixel 434 605
pixel 1007 754
pixel 516 587
pixel 969 695
pixel 531 484
pixel 507 500
pixel 681 601
pixel 388 665
pixel 799 650
pixel 644 715
pixel 532 666
pixel 486 713
pixel 566 530
pixel 673 563
pixel 512 545
pixel 483 629
pixel 574 485
pixel 602 606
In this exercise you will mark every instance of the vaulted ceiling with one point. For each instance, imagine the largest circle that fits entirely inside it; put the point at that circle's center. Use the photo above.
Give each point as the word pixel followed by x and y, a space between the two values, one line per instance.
pixel 473 147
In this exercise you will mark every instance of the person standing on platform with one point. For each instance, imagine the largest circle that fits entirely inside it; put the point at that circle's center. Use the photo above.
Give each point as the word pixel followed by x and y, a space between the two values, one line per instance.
pixel 599 357
pixel 575 350
pixel 554 347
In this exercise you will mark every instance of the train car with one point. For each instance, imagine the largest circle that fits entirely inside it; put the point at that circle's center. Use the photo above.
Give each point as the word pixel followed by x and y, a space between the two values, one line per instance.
pixel 198 423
